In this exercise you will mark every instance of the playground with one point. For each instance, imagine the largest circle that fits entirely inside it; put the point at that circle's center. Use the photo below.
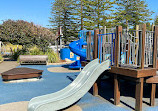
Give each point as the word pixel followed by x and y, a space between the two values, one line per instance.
pixel 114 69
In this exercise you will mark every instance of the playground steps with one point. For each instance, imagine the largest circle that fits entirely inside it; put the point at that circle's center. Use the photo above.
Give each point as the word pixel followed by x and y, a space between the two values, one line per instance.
pixel 153 79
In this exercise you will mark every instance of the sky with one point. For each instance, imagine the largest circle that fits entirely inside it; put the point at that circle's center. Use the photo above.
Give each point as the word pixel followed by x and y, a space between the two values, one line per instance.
pixel 38 11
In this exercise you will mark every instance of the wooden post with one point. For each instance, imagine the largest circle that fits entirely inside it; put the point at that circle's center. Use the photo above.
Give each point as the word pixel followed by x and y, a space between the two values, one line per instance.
pixel 153 91
pixel 152 27
pixel 155 46
pixel 139 95
pixel 117 51
pixel 88 45
pixel 116 90
pixel 117 44
pixel 128 53
pixel 56 43
pixel 143 45
pixel 153 86
pixel 95 55
pixel 137 35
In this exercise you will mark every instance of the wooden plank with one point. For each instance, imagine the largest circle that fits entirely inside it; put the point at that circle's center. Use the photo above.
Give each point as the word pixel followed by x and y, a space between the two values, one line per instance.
pixel 153 79
pixel 136 73
pixel 153 91
pixel 139 95
pixel 21 70
pixel 155 46
pixel 117 44
pixel 143 45
pixel 116 90
pixel 20 76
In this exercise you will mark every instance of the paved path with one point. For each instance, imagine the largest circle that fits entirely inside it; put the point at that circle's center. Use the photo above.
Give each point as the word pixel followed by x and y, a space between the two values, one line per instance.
pixel 7 65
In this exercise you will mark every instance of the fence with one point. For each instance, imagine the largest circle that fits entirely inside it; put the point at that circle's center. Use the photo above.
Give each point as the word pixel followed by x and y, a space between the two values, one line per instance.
pixel 106 47
pixel 135 44
pixel 130 47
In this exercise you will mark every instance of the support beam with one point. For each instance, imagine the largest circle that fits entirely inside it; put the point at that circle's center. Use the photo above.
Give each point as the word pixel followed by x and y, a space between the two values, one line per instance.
pixel 155 46
pixel 139 95
pixel 96 32
pixel 117 44
pixel 89 45
pixel 153 86
pixel 136 41
pixel 153 91
pixel 143 45
pixel 95 55
pixel 116 90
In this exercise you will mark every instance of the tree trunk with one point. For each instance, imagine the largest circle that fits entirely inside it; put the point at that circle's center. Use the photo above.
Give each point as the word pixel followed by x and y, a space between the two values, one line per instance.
pixel 81 15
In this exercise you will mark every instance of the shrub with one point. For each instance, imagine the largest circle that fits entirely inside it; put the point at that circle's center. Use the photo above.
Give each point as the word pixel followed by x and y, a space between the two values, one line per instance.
pixel 1 58
pixel 35 51
pixel 52 56
pixel 18 52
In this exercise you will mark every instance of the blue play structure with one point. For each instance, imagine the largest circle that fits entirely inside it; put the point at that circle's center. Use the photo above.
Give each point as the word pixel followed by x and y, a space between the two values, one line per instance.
pixel 65 53
pixel 77 48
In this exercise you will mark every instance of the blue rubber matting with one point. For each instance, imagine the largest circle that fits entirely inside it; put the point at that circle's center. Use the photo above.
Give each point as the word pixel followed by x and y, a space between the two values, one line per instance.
pixel 52 82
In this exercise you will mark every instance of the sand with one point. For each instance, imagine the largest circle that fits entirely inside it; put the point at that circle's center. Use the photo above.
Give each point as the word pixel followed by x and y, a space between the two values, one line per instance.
pixel 61 70
pixel 22 106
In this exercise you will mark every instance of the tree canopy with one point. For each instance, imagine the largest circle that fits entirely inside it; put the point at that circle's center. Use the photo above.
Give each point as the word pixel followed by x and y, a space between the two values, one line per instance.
pixel 131 12
pixel 74 15
pixel 25 33
pixel 62 17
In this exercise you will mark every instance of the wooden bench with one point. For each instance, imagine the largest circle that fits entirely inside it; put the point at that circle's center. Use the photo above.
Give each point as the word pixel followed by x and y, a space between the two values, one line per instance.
pixel 33 59
pixel 21 73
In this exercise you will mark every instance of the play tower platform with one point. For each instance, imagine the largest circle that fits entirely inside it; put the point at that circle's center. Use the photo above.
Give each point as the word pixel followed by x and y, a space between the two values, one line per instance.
pixel 140 49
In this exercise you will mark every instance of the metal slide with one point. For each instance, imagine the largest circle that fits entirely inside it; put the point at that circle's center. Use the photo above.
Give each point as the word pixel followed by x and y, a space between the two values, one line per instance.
pixel 73 92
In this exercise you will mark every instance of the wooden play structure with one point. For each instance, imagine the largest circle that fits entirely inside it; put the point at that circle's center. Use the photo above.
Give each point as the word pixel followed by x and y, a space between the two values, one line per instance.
pixel 133 55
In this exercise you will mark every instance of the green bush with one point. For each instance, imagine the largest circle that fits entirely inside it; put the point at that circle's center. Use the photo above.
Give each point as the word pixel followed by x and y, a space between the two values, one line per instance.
pixel 1 58
pixel 26 34
pixel 16 54
pixel 35 51
pixel 52 56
